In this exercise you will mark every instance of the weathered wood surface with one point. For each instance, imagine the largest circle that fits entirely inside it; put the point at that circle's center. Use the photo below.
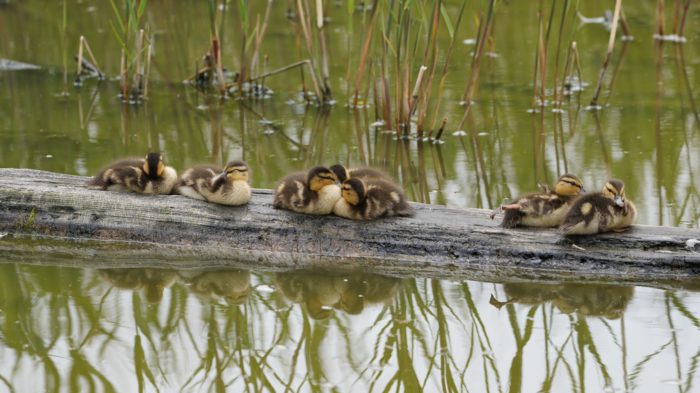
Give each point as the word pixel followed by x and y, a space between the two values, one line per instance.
pixel 438 241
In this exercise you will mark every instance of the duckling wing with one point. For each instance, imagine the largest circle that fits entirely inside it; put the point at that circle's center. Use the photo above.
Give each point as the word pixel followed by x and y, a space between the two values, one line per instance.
pixel 590 214
pixel 291 192
pixel 103 177
pixel 385 199
pixel 199 176
pixel 131 177
pixel 524 205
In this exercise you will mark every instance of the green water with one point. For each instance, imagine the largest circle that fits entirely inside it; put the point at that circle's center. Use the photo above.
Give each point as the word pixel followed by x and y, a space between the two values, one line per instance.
pixel 68 328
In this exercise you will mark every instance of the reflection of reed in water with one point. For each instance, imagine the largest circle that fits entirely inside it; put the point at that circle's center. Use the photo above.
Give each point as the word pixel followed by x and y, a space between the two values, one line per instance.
pixel 152 281
pixel 233 286
pixel 609 301
pixel 320 294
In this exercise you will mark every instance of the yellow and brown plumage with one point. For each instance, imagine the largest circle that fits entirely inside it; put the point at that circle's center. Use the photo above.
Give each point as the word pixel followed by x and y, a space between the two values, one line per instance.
pixel 599 212
pixel 149 175
pixel 371 199
pixel 314 192
pixel 227 186
pixel 543 209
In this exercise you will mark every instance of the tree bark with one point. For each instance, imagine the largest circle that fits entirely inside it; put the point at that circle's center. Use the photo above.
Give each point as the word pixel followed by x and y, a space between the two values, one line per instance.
pixel 173 231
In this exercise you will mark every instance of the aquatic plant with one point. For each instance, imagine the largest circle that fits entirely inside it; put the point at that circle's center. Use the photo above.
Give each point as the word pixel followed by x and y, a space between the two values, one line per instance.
pixel 130 31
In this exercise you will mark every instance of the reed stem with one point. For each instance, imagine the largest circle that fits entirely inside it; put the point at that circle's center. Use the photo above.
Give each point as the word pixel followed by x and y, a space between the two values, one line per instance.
pixel 476 62
pixel 79 71
pixel 608 54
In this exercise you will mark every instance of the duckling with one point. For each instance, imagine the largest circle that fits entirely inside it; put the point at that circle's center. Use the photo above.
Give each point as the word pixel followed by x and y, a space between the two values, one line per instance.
pixel 314 192
pixel 344 173
pixel 370 199
pixel 543 209
pixel 228 186
pixel 145 176
pixel 599 212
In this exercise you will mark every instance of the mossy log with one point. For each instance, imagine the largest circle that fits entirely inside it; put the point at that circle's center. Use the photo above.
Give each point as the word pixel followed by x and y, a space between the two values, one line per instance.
pixel 437 242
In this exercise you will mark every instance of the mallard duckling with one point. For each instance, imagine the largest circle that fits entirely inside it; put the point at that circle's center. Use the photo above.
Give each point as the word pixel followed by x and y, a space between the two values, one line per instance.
pixel 599 212
pixel 228 186
pixel 314 192
pixel 145 176
pixel 344 173
pixel 371 199
pixel 543 209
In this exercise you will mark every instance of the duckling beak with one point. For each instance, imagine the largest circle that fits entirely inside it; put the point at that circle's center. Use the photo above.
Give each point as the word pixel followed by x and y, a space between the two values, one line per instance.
pixel 620 201
pixel 583 190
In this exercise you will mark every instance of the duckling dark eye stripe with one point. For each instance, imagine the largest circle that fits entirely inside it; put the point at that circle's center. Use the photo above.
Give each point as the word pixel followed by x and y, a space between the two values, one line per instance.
pixel 573 183
pixel 611 190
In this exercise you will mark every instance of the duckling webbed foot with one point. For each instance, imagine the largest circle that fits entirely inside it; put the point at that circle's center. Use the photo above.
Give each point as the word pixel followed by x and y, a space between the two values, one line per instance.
pixel 512 206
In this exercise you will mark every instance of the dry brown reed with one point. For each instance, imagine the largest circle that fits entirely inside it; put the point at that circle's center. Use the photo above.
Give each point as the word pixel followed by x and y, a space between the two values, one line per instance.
pixel 608 54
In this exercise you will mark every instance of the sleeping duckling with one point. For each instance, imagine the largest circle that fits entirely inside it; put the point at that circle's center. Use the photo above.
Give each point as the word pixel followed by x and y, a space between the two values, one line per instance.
pixel 315 192
pixel 344 173
pixel 600 212
pixel 145 176
pixel 370 199
pixel 544 209
pixel 212 184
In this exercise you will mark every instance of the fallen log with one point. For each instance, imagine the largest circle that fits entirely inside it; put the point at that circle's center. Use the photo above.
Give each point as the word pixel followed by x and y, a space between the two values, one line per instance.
pixel 438 242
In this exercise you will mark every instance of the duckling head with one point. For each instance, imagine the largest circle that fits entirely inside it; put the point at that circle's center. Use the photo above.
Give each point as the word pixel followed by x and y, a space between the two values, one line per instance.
pixel 236 170
pixel 341 172
pixel 354 191
pixel 153 165
pixel 569 185
pixel 615 190
pixel 320 177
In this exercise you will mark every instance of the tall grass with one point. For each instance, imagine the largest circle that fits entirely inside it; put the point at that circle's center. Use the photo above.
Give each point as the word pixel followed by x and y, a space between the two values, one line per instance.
pixel 400 57
pixel 485 29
